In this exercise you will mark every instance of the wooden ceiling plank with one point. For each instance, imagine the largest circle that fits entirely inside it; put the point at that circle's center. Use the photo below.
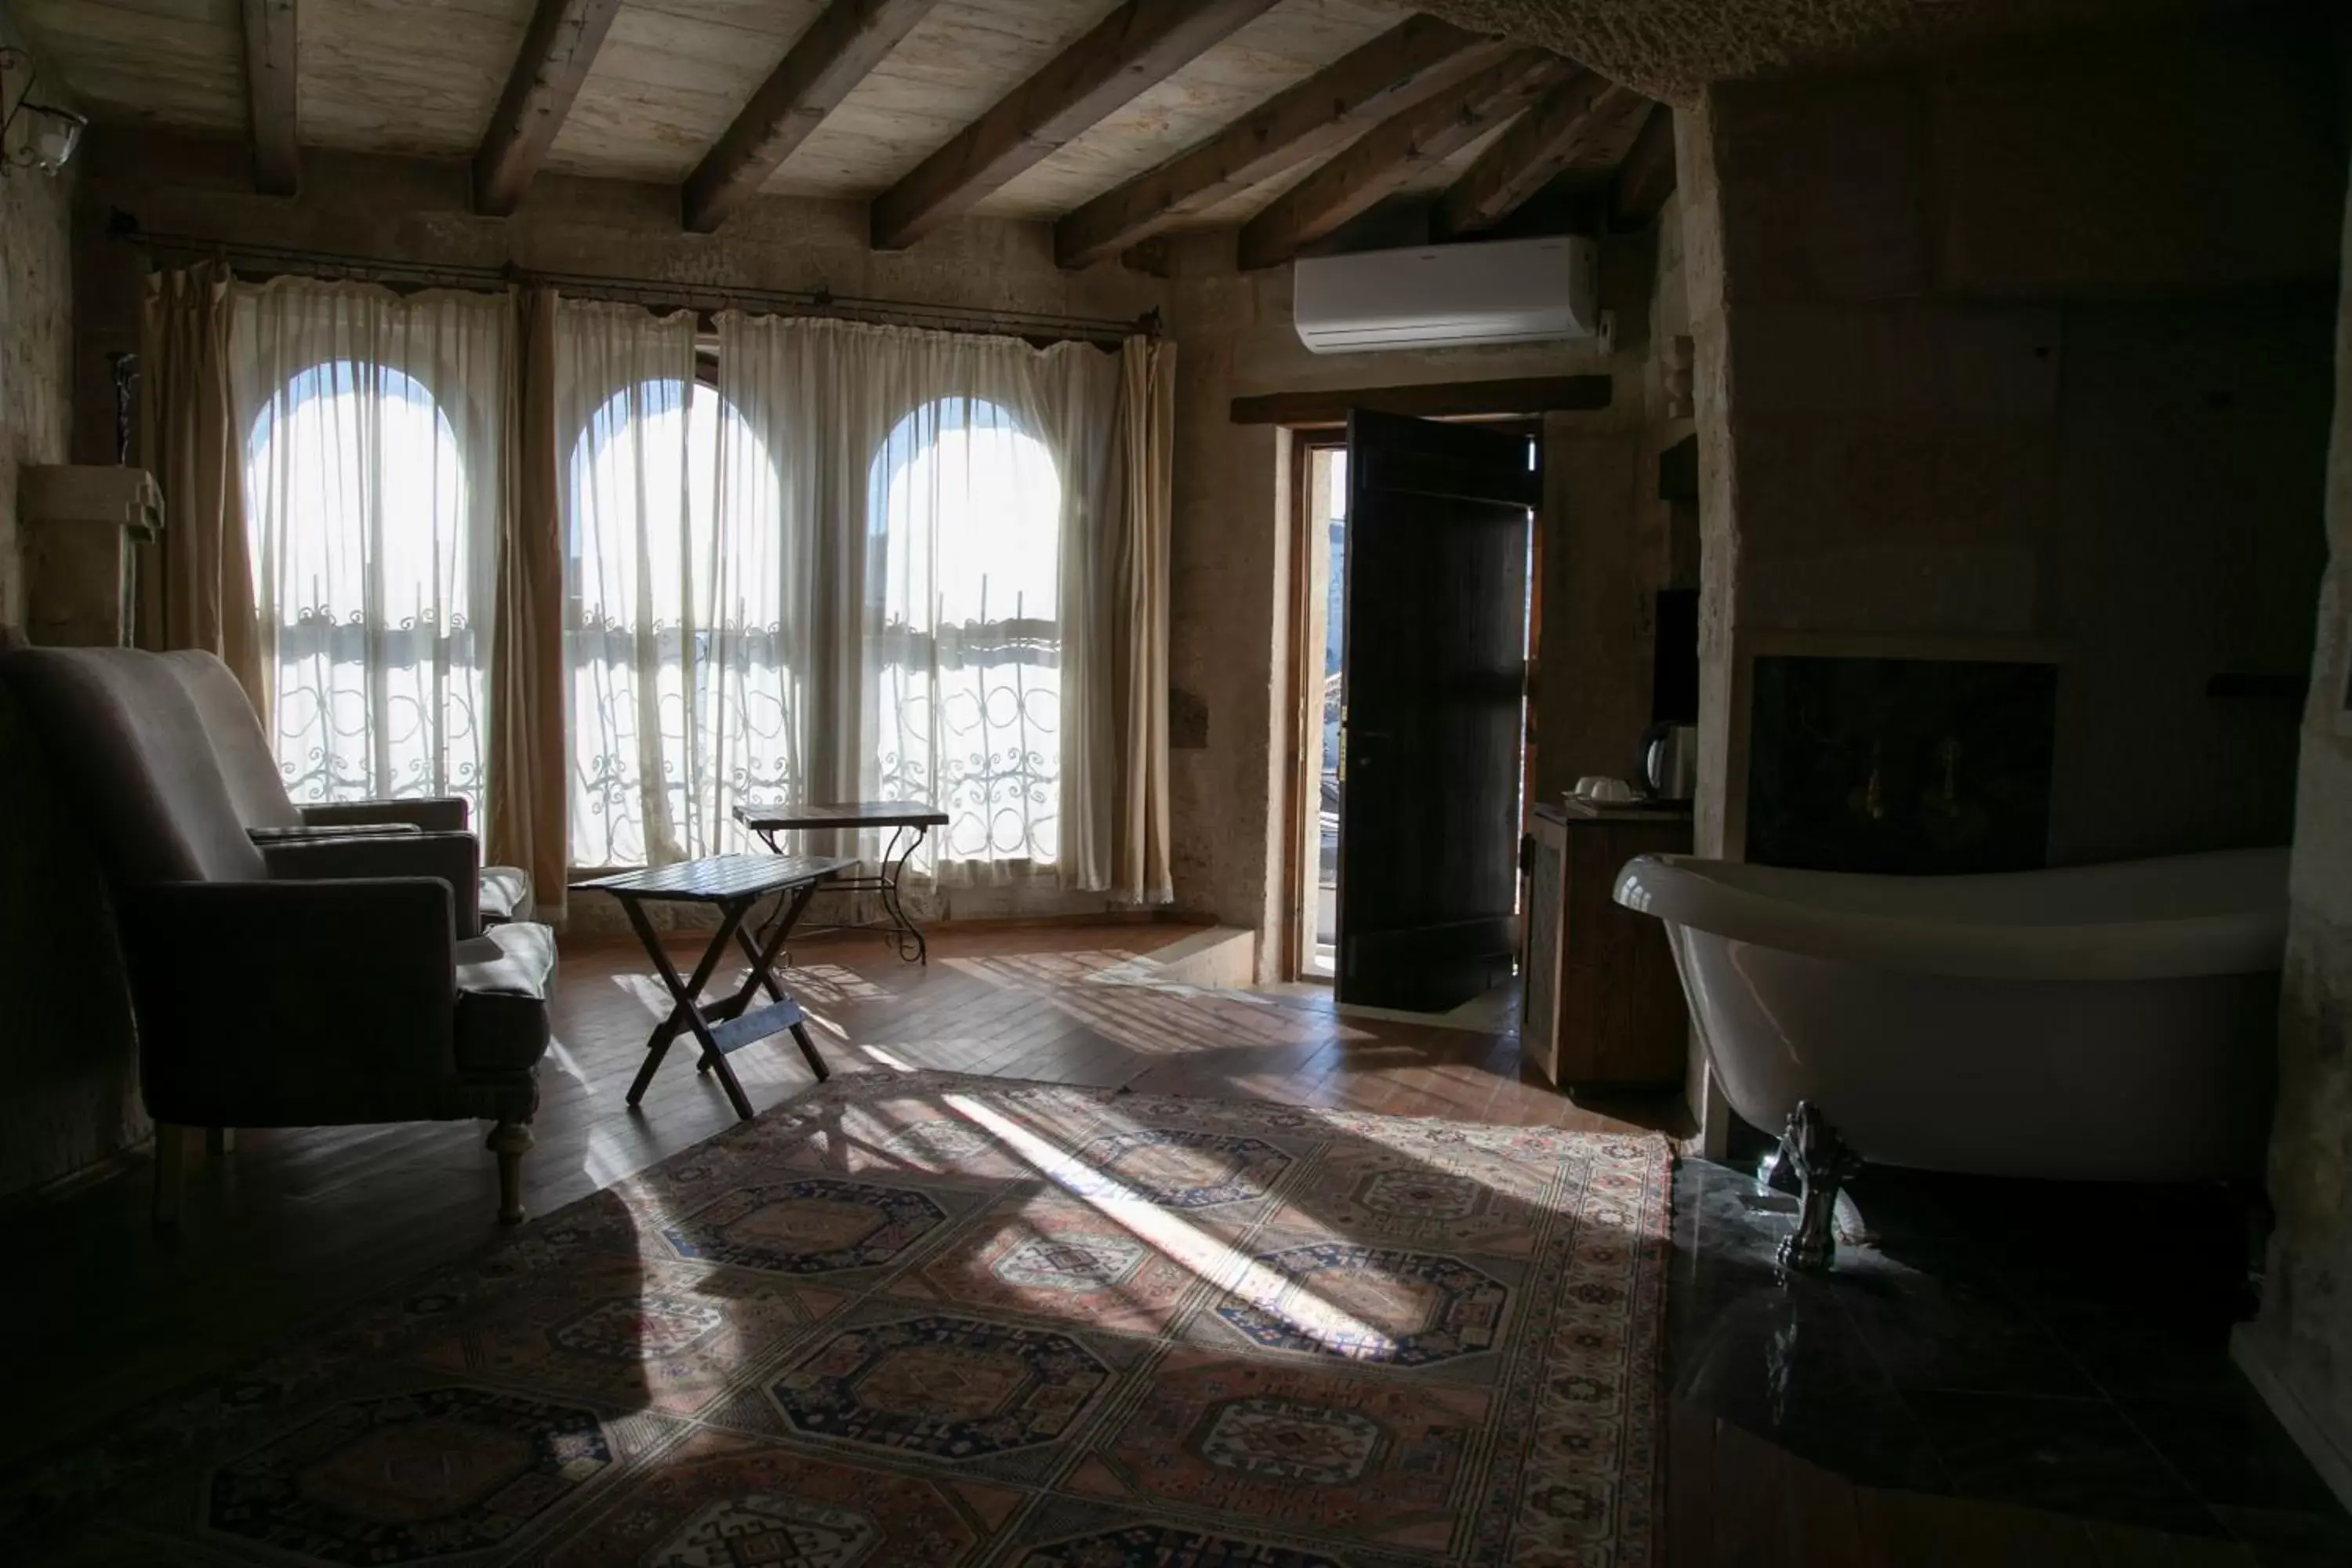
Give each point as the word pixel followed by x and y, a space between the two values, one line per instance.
pixel 1385 157
pixel 270 76
pixel 839 49
pixel 1396 70
pixel 1142 43
pixel 557 51
pixel 1646 178
pixel 1524 159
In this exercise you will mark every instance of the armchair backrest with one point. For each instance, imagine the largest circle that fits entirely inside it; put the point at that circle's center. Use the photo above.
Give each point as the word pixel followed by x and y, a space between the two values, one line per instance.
pixel 239 746
pixel 128 740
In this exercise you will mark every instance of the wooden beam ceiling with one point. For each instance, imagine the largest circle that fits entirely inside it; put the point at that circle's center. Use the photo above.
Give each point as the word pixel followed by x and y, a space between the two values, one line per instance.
pixel 1394 72
pixel 269 90
pixel 840 48
pixel 1388 154
pixel 1646 178
pixel 1570 121
pixel 1141 43
pixel 557 50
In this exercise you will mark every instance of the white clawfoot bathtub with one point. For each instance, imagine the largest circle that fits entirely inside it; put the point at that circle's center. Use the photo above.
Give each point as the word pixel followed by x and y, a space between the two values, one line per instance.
pixel 2100 1022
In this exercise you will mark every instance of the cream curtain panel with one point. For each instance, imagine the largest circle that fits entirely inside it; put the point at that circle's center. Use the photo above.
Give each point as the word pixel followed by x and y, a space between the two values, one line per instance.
pixel 637 497
pixel 529 798
pixel 192 442
pixel 372 428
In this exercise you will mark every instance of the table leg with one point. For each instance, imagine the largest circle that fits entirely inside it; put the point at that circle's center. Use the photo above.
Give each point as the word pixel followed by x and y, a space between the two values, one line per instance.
pixel 764 960
pixel 904 931
pixel 684 1015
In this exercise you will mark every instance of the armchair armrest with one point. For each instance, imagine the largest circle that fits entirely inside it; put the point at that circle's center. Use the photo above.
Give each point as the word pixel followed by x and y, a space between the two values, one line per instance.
pixel 293 1003
pixel 340 830
pixel 451 857
pixel 429 813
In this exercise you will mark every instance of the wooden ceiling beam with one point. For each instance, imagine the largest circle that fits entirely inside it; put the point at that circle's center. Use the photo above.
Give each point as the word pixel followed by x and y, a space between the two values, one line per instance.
pixel 1571 120
pixel 1394 72
pixel 841 48
pixel 557 50
pixel 1142 43
pixel 271 59
pixel 1646 180
pixel 1385 157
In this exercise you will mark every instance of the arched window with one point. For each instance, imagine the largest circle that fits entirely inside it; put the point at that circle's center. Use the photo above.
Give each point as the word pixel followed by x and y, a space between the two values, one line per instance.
pixel 963 587
pixel 370 571
pixel 681 698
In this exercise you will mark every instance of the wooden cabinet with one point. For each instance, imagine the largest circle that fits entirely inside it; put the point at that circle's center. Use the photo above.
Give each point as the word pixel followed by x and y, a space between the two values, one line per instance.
pixel 1603 1005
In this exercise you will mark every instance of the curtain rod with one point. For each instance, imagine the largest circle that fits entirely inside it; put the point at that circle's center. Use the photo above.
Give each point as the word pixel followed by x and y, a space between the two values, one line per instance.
pixel 704 299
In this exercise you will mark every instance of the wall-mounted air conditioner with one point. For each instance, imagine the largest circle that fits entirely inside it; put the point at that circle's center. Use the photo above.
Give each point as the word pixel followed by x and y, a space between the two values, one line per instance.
pixel 1447 295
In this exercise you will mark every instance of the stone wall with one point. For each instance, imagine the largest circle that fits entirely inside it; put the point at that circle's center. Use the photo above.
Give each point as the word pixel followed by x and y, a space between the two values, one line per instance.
pixel 66 1050
pixel 2030 348
pixel 1229 643
pixel 35 337
pixel 2299 1353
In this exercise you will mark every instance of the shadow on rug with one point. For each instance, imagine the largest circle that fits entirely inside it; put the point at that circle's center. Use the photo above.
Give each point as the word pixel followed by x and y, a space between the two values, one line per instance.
pixel 943 1320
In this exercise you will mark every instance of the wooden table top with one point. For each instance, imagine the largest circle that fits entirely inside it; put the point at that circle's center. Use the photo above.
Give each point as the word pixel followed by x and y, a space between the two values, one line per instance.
pixel 781 818
pixel 716 879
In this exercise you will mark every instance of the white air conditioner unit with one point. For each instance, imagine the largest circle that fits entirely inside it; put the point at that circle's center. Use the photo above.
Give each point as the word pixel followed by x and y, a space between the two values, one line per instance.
pixel 1447 295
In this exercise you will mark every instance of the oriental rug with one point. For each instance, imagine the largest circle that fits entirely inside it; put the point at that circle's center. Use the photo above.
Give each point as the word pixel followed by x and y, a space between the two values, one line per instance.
pixel 958 1322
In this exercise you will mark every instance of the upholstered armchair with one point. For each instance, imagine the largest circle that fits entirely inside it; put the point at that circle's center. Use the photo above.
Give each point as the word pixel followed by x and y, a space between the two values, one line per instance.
pixel 298 982
pixel 258 793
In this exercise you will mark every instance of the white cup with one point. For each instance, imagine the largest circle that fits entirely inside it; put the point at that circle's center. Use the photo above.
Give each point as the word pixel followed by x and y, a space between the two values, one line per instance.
pixel 1596 790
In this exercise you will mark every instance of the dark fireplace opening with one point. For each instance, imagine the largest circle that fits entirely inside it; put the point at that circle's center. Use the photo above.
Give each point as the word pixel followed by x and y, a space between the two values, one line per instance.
pixel 1901 766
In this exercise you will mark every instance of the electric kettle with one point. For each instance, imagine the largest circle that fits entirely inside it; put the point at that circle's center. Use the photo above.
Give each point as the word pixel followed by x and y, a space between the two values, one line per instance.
pixel 1669 767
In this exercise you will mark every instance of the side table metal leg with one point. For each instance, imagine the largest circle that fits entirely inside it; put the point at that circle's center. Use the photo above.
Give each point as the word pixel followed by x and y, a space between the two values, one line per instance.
pixel 904 933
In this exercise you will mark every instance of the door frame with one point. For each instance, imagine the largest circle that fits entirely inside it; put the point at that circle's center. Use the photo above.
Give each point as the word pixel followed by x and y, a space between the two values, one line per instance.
pixel 1303 670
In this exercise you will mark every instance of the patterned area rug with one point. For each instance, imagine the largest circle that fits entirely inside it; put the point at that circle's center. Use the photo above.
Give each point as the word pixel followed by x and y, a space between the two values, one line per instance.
pixel 925 1321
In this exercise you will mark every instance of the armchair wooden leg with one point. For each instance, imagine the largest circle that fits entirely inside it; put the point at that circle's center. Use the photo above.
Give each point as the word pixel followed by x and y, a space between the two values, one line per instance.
pixel 219 1141
pixel 510 1141
pixel 171 1171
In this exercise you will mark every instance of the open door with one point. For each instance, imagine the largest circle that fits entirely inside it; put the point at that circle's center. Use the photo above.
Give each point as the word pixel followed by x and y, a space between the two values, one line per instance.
pixel 1434 671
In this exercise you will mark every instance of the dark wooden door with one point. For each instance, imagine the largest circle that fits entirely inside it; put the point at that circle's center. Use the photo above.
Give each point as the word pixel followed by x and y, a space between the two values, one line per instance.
pixel 1434 667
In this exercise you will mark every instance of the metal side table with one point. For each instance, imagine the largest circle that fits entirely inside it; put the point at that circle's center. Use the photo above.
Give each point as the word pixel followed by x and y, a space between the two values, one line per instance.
pixel 909 821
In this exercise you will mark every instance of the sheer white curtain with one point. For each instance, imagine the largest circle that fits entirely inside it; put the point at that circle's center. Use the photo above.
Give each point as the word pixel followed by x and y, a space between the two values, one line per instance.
pixel 373 430
pixel 942 498
pixel 632 472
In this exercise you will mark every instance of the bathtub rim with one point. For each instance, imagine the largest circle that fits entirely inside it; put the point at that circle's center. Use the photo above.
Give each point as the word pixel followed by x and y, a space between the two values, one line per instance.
pixel 1679 890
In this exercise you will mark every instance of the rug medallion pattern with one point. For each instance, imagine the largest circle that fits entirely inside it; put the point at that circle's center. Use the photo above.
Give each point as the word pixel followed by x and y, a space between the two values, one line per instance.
pixel 922 1319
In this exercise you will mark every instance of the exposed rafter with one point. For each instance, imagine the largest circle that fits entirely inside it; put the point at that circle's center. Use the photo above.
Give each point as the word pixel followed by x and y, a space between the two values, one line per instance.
pixel 840 48
pixel 1402 67
pixel 1141 43
pixel 271 59
pixel 1646 178
pixel 1390 154
pixel 1571 121
pixel 557 50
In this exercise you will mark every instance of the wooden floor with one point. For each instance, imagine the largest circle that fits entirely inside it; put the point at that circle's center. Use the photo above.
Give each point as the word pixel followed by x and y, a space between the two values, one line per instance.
pixel 292 1226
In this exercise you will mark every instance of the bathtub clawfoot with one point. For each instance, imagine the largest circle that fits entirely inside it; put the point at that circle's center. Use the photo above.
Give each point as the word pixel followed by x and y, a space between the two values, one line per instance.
pixel 1824 1163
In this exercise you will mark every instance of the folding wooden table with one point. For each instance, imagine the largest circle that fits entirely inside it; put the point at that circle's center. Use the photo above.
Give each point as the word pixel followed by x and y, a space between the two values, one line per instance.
pixel 908 820
pixel 735 884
